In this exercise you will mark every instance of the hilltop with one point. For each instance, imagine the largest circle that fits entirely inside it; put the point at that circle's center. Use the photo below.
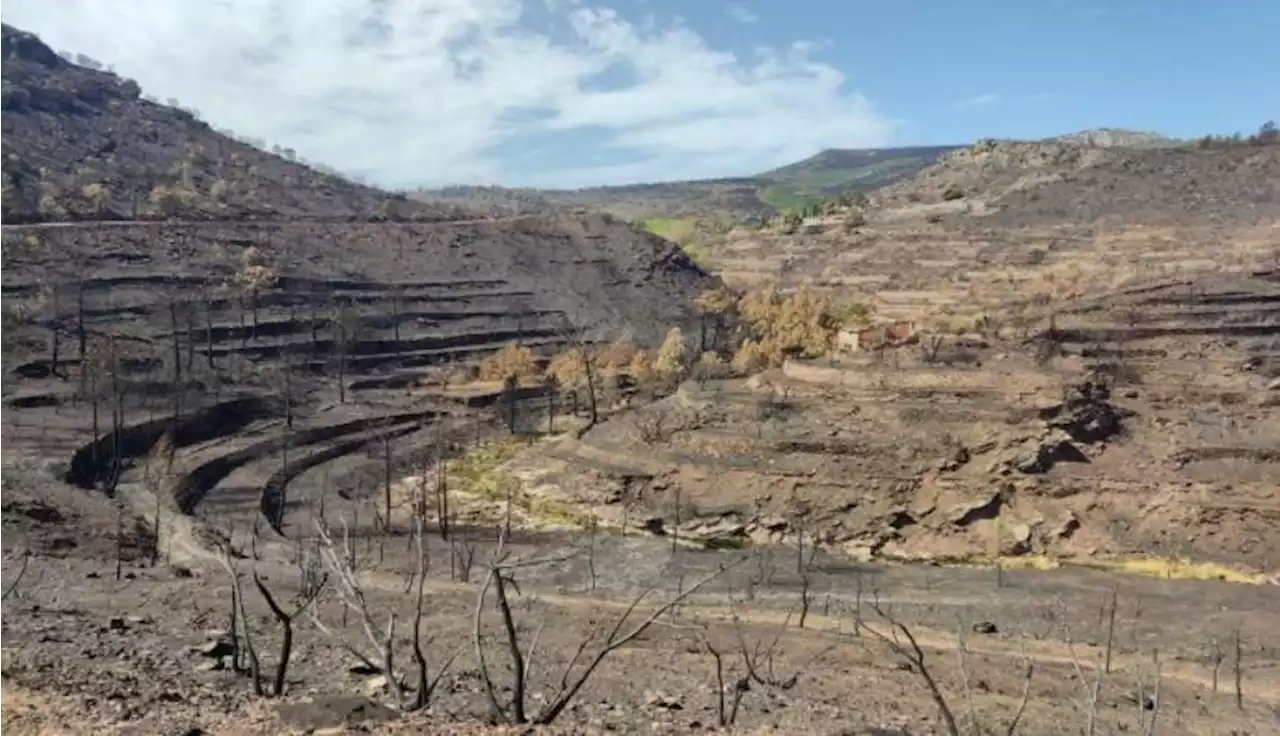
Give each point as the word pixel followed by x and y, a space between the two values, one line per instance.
pixel 83 144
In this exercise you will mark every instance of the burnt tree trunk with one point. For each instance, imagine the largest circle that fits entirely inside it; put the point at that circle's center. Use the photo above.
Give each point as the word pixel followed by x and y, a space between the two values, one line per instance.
pixel 55 332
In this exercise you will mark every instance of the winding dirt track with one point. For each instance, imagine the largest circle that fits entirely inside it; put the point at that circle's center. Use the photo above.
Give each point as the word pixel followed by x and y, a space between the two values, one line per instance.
pixel 1264 685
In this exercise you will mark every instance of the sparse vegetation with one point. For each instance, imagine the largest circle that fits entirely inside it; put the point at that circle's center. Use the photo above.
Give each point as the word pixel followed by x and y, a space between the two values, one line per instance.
pixel 403 549
pixel 511 362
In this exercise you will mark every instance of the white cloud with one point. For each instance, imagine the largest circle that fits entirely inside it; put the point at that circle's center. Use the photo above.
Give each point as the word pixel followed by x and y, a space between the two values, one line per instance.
pixel 742 13
pixel 440 91
pixel 986 98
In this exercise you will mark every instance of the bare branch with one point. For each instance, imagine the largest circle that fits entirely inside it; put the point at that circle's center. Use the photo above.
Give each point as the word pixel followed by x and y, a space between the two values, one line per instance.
pixel 1029 668
pixel 9 590
pixel 1091 694
pixel 352 595
pixel 617 640
pixel 286 626
pixel 238 617
pixel 1155 696
pixel 914 656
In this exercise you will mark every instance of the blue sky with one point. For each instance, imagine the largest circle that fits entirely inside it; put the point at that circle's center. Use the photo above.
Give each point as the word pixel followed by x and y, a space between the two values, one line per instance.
pixel 581 92
pixel 960 70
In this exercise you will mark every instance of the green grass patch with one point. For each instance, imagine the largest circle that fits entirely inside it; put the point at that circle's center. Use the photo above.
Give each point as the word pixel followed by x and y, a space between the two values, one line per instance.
pixel 783 198
pixel 800 187
pixel 690 233
pixel 675 229
pixel 479 474
pixel 1154 567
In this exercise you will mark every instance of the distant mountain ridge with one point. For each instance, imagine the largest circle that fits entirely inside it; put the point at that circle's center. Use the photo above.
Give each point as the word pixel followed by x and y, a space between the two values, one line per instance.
pixel 826 174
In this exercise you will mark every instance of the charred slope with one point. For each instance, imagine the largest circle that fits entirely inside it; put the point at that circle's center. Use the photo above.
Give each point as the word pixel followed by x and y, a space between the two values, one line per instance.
pixel 68 127
pixel 414 286
pixel 1233 185
pixel 1092 178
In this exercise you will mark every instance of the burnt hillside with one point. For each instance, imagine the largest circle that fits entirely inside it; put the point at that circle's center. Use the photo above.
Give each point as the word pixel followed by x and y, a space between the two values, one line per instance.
pixel 82 144
pixel 1076 180
pixel 260 279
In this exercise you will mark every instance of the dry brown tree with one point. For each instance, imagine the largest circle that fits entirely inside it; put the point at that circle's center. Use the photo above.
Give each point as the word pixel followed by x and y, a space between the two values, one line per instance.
pixel 673 356
pixel 572 370
pixel 512 361
pixel 255 276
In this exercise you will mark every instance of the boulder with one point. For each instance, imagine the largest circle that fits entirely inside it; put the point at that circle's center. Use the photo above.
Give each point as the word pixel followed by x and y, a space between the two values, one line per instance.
pixel 1054 449
pixel 1019 542
pixel 216 648
pixel 987 507
pixel 1065 528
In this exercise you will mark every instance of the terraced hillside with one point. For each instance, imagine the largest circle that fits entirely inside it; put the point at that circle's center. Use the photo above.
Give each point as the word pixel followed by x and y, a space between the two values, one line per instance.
pixel 1142 424
pixel 349 345
pixel 1086 221
pixel 1096 324
pixel 273 322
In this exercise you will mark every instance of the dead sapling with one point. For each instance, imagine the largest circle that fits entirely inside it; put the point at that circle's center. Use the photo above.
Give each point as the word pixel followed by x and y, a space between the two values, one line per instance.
pixel 1237 666
pixel 759 657
pixel 1028 671
pixel 929 349
pixel 581 666
pixel 442 481
pixel 902 642
pixel 592 530
pixel 12 587
pixel 426 683
pixel 804 569
pixel 311 589
pixel 1093 690
pixel 350 592
pixel 241 637
pixel 1113 604
pixel 653 424
pixel 1216 657
pixel 462 558
pixel 1147 724
pixel 726 712
pixel 962 664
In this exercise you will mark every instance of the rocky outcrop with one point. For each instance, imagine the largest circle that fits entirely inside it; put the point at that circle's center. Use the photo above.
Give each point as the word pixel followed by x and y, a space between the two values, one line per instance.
pixel 1044 454
pixel 1087 415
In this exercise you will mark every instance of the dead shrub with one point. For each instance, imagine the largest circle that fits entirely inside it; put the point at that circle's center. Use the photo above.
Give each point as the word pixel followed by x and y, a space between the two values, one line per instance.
pixel 672 355
pixel 511 362
pixel 750 358
pixel 654 424
pixel 709 367
pixel 619 355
